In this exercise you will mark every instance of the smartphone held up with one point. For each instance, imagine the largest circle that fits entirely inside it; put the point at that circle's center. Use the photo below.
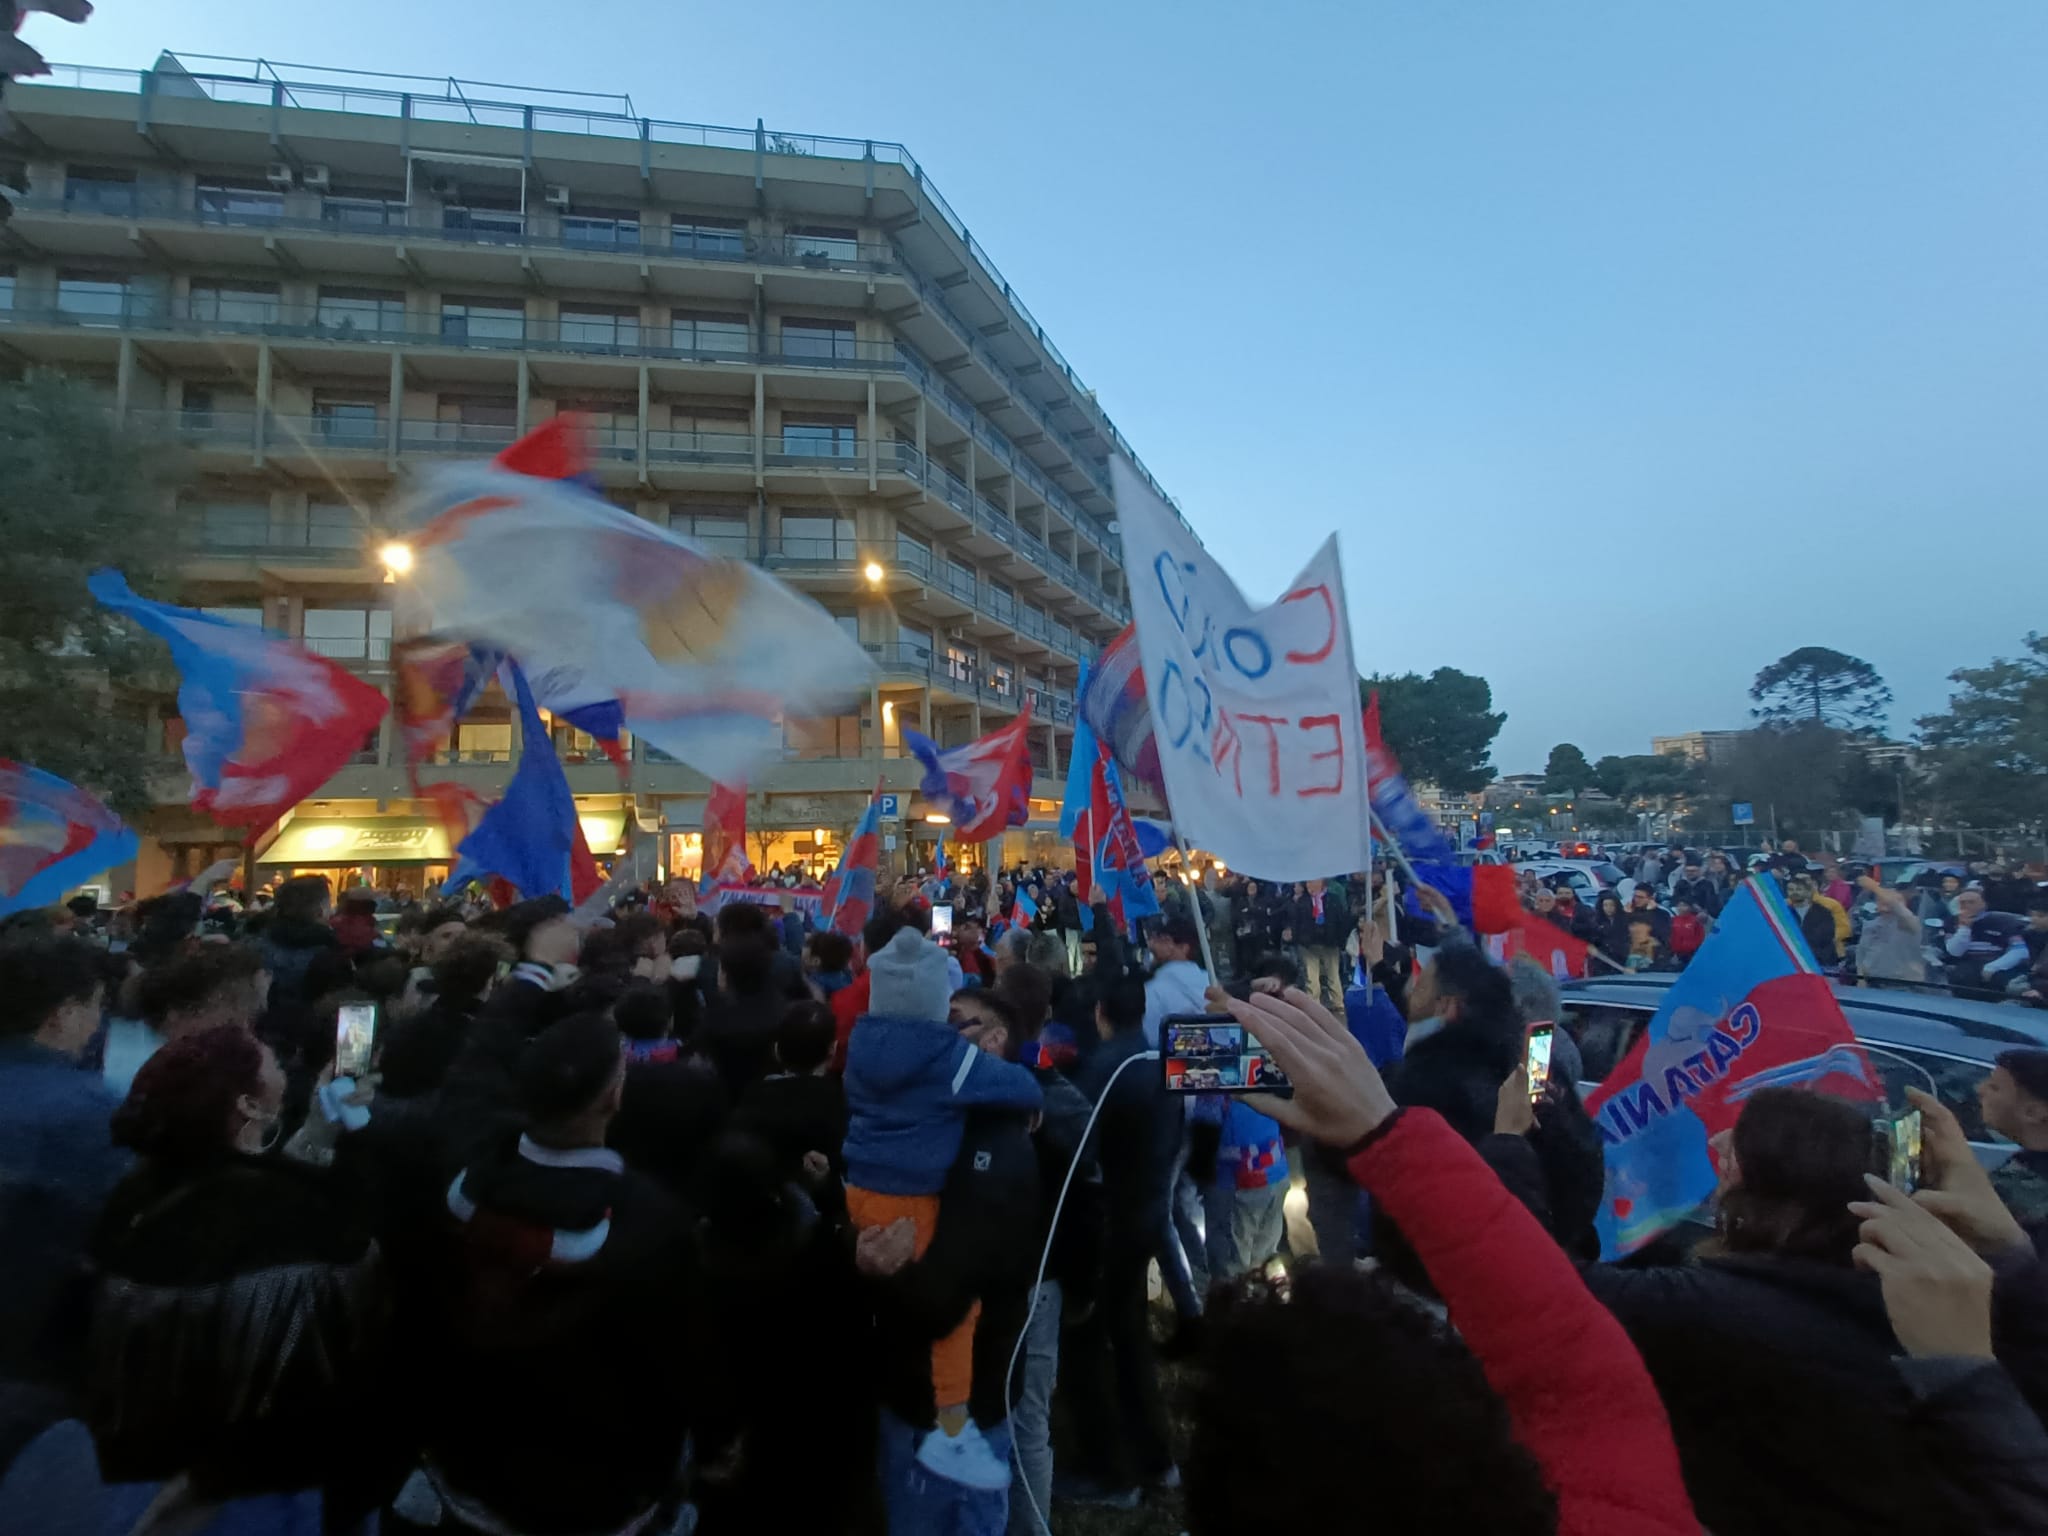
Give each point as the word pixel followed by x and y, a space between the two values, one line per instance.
pixel 355 1039
pixel 1536 1058
pixel 1213 1053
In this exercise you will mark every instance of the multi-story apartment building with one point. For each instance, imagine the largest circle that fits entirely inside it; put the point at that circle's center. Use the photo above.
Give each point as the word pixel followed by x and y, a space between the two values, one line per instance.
pixel 789 347
pixel 1696 746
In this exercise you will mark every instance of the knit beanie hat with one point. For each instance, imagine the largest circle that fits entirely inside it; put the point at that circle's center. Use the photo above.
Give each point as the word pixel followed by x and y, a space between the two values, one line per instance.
pixel 908 979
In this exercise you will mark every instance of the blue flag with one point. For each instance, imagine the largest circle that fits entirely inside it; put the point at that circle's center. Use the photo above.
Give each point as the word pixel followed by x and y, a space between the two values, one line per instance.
pixel 530 837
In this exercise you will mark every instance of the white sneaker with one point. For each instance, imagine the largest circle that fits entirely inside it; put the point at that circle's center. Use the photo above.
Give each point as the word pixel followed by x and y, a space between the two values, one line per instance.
pixel 965 1458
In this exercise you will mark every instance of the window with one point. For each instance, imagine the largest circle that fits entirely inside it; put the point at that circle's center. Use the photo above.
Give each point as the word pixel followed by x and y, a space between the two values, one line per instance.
pixel 347 419
pixel 333 525
pixel 598 325
pixel 915 645
pixel 483 320
pixel 960 578
pixel 716 239
pixel 695 332
pixel 721 530
pixel 821 736
pixel 349 634
pixel 818 437
pixel 235 525
pixel 602 231
pixel 822 243
pixel 486 223
pixel 914 554
pixel 960 663
pixel 100 191
pixel 481 410
pixel 374 310
pixel 234 303
pixel 250 616
pixel 817 536
pixel 483 741
pixel 1002 679
pixel 1955 1082
pixel 92 298
pixel 362 212
pixel 1604 1035
pixel 849 625
pixel 205 406
pixel 1002 602
pixel 244 203
pixel 818 338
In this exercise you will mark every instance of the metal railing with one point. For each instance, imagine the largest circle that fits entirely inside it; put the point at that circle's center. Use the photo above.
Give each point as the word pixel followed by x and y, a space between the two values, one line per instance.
pixel 410 98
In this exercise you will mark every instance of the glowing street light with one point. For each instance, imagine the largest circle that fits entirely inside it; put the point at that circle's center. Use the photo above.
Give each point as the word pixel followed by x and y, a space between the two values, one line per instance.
pixel 874 573
pixel 397 557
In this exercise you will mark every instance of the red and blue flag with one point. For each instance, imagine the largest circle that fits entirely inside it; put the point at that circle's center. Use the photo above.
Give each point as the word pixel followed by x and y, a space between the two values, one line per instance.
pixel 53 836
pixel 531 838
pixel 1110 853
pixel 725 860
pixel 984 786
pixel 1113 705
pixel 1482 895
pixel 1751 1011
pixel 849 899
pixel 266 721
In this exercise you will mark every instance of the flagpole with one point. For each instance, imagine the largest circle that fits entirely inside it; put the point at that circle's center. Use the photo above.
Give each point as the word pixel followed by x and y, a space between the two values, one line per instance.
pixel 1187 863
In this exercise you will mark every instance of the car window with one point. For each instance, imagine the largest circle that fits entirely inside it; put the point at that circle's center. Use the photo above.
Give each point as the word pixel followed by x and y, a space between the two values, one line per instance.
pixel 1955 1083
pixel 1604 1034
pixel 1611 873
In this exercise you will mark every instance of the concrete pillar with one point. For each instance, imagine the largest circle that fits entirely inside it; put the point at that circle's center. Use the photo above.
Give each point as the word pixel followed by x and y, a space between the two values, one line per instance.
pixel 262 399
pixel 920 425
pixel 525 389
pixel 874 435
pixel 760 422
pixel 124 378
pixel 875 715
pixel 924 710
pixel 396 391
pixel 640 439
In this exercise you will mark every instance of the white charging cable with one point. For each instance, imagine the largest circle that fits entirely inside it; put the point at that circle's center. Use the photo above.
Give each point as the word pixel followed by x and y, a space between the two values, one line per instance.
pixel 1044 1259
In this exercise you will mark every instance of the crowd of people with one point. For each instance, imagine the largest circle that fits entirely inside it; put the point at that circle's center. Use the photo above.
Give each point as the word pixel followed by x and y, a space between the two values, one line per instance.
pixel 674 1220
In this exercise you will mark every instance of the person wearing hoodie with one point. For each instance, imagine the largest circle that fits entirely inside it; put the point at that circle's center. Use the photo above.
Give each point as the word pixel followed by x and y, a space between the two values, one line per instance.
pixel 561 1390
pixel 910 1082
pixel 1178 983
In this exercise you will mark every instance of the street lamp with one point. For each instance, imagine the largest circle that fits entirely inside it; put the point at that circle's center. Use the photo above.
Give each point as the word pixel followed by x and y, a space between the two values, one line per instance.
pixel 397 559
pixel 874 573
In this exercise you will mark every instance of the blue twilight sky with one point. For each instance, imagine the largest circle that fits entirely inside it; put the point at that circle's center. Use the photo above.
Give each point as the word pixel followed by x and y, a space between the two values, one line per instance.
pixel 1627 345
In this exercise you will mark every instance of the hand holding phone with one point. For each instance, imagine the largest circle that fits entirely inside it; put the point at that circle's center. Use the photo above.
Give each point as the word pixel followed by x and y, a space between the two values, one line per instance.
pixel 1213 1053
pixel 1895 1149
pixel 355 1039
pixel 942 919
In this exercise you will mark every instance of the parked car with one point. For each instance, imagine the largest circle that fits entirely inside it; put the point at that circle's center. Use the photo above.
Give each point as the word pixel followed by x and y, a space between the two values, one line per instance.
pixel 1913 1037
pixel 1589 878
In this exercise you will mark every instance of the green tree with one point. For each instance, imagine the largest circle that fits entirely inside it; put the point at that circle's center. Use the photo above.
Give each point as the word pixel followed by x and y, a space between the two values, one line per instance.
pixel 1797 773
pixel 74 495
pixel 1567 772
pixel 1645 776
pixel 1986 756
pixel 1441 726
pixel 1818 686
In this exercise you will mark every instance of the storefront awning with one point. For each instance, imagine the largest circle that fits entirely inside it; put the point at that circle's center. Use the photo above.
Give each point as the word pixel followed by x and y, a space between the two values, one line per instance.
pixel 325 840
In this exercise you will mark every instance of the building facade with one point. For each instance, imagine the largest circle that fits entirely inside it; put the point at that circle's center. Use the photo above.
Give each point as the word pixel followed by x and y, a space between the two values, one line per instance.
pixel 789 348
pixel 1696 746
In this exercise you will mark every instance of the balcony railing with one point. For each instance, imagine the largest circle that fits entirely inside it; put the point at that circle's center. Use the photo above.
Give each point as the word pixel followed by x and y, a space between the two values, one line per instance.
pixel 200 428
pixel 454 437
pixel 668 446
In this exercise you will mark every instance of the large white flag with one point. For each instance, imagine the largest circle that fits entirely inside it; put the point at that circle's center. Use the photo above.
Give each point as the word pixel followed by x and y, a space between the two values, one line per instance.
pixel 1256 711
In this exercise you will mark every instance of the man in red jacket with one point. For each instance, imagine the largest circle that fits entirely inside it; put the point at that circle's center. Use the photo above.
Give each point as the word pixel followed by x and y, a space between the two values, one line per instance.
pixel 1543 1419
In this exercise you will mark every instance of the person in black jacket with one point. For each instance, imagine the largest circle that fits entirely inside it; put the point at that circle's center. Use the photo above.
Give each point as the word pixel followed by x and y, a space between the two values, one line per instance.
pixel 238 1316
pixel 1774 1355
pixel 561 1389
pixel 1113 1387
pixel 800 1108
pixel 1693 885
pixel 416 1053
pixel 1321 924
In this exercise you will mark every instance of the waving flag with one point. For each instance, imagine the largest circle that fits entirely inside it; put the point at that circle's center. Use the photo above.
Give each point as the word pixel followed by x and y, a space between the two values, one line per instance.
pixel 700 654
pixel 850 893
pixel 1562 954
pixel 1482 895
pixel 1114 709
pixel 1752 1010
pixel 435 683
pixel 1109 861
pixel 53 836
pixel 725 838
pixel 266 721
pixel 1023 910
pixel 531 838
pixel 984 786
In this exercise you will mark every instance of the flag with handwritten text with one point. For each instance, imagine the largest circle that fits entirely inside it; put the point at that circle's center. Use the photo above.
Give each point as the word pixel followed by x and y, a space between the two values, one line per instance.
pixel 1254 710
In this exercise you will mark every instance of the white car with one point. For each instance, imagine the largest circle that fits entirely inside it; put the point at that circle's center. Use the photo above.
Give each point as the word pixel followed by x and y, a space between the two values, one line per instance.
pixel 1589 878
